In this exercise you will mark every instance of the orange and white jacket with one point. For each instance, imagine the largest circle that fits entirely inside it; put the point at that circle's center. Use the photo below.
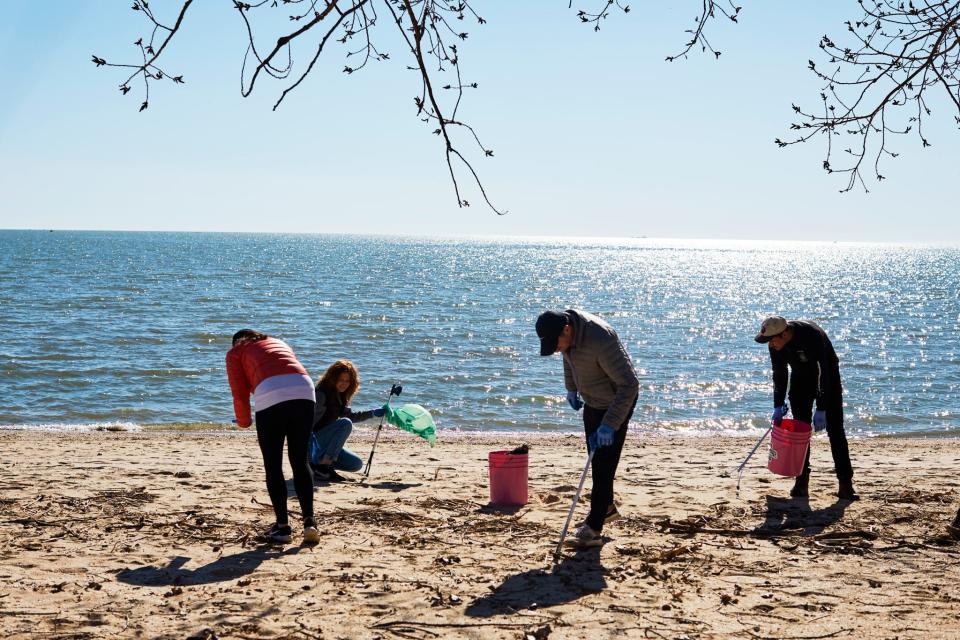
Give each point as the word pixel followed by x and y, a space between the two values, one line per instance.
pixel 270 371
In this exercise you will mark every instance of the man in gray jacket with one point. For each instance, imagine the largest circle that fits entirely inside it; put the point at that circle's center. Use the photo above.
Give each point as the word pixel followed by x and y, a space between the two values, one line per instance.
pixel 597 369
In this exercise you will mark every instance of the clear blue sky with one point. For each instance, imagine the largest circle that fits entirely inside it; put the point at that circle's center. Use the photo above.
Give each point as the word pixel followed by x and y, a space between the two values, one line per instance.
pixel 593 133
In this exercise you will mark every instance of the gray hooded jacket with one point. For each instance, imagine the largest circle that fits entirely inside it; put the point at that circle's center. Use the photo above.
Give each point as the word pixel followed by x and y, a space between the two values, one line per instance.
pixel 598 366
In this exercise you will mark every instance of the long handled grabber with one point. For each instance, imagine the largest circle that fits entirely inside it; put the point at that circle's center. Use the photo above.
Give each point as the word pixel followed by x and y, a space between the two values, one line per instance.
pixel 750 455
pixel 576 499
pixel 395 390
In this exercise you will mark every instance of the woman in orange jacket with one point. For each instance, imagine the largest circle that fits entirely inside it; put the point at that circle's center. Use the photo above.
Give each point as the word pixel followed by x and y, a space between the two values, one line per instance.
pixel 283 395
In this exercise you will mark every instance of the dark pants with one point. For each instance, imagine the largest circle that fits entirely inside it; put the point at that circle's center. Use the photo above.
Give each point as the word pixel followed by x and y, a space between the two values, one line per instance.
pixel 290 420
pixel 605 462
pixel 801 405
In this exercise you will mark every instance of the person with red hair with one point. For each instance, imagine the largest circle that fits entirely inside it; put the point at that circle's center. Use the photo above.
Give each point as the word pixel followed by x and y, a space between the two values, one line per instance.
pixel 333 422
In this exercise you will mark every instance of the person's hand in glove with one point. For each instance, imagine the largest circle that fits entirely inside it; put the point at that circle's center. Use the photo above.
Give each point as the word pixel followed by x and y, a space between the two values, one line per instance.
pixel 602 437
pixel 378 412
pixel 778 414
pixel 573 399
pixel 819 420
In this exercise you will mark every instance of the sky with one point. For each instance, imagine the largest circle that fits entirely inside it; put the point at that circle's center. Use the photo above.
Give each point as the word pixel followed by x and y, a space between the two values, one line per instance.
pixel 593 133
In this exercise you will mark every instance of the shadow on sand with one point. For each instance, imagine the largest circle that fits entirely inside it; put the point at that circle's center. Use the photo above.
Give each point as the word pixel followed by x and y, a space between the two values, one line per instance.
pixel 788 514
pixel 396 487
pixel 222 569
pixel 575 577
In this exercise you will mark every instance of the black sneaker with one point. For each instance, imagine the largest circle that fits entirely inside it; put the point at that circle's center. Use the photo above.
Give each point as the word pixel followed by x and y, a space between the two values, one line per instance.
pixel 280 533
pixel 846 491
pixel 954 529
pixel 801 487
pixel 326 473
pixel 333 476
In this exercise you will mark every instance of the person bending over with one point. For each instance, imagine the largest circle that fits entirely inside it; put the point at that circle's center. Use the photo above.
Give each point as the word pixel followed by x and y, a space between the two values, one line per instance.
pixel 283 396
pixel 595 366
pixel 333 421
pixel 814 378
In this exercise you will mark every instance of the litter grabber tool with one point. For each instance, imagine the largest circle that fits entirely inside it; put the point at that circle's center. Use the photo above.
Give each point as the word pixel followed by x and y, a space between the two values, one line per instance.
pixel 395 390
pixel 750 455
pixel 576 499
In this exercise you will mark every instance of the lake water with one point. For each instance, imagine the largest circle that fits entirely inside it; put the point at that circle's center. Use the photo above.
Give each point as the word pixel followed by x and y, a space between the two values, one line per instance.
pixel 114 327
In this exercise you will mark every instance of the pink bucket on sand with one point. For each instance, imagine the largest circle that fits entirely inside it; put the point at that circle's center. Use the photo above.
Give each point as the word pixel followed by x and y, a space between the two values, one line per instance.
pixel 508 477
pixel 788 447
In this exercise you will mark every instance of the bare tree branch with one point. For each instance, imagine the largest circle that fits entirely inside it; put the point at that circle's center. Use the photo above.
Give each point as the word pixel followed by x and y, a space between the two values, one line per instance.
pixel 878 87
pixel 901 52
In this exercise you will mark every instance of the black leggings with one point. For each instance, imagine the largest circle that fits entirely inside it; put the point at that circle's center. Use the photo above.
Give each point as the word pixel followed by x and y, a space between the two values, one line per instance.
pixel 604 467
pixel 290 420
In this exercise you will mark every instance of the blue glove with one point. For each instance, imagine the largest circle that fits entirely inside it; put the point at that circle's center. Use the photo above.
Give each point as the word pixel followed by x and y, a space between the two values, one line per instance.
pixel 602 437
pixel 778 413
pixel 819 420
pixel 378 412
pixel 573 399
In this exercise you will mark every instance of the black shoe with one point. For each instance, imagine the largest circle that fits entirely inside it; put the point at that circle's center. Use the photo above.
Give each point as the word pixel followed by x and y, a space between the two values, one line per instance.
pixel 954 529
pixel 846 491
pixel 326 473
pixel 801 487
pixel 280 533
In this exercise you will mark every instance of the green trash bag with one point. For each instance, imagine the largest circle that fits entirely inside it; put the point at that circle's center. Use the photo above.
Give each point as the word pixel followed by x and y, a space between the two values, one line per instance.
pixel 412 418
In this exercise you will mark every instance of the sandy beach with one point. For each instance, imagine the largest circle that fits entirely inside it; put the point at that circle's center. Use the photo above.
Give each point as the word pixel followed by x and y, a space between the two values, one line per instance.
pixel 158 535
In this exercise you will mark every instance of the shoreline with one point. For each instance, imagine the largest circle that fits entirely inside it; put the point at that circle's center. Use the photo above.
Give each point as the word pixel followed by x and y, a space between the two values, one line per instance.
pixel 158 534
pixel 367 430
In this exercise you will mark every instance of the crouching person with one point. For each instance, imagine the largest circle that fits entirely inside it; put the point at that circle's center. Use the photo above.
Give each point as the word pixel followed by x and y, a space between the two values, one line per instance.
pixel 333 422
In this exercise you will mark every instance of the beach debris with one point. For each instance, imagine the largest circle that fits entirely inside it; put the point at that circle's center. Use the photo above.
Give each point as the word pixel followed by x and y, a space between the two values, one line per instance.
pixel 538 633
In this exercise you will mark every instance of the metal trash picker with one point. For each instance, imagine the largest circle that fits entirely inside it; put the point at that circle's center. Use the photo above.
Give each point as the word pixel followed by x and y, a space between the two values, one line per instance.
pixel 576 499
pixel 395 390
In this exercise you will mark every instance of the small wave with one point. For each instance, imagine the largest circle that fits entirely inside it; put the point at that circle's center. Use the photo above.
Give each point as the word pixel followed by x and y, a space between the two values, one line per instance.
pixel 60 427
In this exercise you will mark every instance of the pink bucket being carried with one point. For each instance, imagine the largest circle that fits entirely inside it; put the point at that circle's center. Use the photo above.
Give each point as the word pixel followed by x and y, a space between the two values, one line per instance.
pixel 788 447
pixel 508 478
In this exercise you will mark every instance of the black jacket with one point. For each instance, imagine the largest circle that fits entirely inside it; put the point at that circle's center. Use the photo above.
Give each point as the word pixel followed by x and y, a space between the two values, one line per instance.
pixel 330 408
pixel 814 366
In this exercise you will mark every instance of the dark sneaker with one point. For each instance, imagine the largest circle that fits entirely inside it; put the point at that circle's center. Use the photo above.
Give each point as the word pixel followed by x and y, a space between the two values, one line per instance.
pixel 801 487
pixel 280 533
pixel 583 537
pixel 310 533
pixel 326 473
pixel 333 476
pixel 954 529
pixel 846 491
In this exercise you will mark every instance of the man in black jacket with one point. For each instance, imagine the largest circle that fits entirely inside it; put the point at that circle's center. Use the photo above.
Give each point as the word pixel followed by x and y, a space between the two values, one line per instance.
pixel 814 378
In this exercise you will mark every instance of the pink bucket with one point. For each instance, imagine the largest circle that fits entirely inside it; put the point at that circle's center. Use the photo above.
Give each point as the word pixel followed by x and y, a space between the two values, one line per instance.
pixel 508 478
pixel 788 447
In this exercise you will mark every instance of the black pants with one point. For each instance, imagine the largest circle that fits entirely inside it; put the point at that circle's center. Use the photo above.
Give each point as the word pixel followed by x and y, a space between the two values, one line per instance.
pixel 290 420
pixel 604 467
pixel 801 405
